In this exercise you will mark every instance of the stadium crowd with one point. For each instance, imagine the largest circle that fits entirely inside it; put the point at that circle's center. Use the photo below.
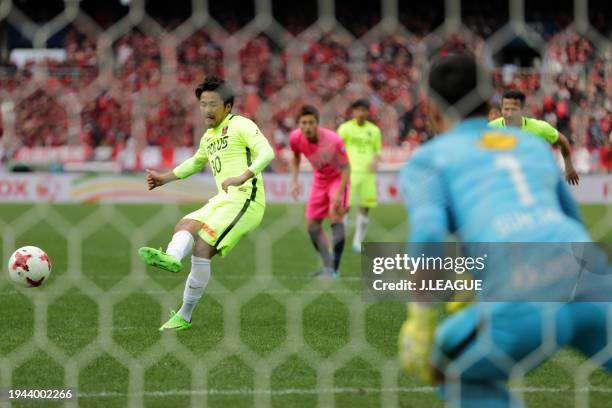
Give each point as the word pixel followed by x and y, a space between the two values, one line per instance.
pixel 139 83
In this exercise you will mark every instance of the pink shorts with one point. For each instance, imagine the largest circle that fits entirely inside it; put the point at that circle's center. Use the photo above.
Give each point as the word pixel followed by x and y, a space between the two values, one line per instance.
pixel 319 203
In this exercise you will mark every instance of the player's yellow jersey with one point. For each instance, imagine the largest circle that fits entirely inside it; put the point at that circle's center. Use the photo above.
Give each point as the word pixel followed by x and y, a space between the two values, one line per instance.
pixel 362 143
pixel 231 148
pixel 533 126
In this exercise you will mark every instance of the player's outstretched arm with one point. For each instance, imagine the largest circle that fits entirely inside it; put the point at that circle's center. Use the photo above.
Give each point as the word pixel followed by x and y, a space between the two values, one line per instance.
pixel 570 173
pixel 425 197
pixel 157 179
pixel 192 165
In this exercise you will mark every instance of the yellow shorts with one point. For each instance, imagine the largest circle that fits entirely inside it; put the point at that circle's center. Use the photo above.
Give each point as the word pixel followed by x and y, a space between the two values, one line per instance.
pixel 363 190
pixel 226 218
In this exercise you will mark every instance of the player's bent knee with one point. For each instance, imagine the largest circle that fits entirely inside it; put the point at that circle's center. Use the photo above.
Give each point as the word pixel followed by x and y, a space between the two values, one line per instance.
pixel 314 224
pixel 203 249
pixel 336 217
pixel 192 226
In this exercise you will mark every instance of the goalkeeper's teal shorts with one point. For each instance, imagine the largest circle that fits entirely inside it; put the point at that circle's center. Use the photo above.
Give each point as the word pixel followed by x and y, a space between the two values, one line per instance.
pixel 482 344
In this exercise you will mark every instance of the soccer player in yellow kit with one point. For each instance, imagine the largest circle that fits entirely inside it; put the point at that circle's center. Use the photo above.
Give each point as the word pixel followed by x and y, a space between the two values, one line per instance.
pixel 362 140
pixel 237 152
pixel 513 102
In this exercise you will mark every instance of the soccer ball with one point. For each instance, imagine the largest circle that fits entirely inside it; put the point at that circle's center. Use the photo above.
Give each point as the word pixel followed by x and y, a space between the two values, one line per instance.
pixel 29 266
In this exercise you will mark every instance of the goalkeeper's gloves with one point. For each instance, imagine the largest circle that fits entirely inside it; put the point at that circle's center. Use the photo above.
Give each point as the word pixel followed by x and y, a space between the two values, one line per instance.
pixel 416 340
pixel 461 299
pixel 456 306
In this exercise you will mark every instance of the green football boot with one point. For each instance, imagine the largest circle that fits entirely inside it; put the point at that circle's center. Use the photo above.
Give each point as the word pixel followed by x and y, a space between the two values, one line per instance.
pixel 160 259
pixel 176 322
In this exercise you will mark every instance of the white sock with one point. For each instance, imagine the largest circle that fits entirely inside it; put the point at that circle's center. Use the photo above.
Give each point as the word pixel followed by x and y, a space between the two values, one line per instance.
pixel 194 287
pixel 360 228
pixel 180 245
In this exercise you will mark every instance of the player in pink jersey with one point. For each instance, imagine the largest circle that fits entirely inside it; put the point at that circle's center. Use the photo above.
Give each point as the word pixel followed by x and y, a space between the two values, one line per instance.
pixel 325 151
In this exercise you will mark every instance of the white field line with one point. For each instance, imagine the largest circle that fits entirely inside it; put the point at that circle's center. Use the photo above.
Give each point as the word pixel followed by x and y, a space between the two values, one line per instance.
pixel 137 291
pixel 340 390
pixel 250 277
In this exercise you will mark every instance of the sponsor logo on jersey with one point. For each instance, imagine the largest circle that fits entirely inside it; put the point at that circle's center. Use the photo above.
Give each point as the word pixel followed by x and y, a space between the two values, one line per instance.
pixel 499 141
pixel 216 145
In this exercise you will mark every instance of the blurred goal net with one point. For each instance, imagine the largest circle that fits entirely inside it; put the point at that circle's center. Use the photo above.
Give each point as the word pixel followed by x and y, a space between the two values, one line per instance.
pixel 119 82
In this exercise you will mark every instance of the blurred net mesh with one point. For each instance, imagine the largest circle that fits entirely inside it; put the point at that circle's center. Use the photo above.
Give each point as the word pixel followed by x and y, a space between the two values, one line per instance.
pixel 325 65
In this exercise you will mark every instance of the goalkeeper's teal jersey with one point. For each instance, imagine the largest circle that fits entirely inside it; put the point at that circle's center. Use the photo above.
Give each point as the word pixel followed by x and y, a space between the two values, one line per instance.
pixel 231 148
pixel 488 185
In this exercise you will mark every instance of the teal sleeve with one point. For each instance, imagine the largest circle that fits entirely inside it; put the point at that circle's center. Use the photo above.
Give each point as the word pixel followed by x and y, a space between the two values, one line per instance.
pixel 191 165
pixel 426 199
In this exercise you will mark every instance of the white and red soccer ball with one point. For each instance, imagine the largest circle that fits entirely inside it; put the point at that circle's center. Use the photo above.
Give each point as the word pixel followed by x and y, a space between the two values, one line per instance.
pixel 29 266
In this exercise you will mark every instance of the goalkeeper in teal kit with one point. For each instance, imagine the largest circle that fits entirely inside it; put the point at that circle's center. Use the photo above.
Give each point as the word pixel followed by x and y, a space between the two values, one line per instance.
pixel 476 181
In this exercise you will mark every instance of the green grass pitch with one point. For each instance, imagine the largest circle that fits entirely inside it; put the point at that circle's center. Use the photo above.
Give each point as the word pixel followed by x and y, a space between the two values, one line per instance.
pixel 265 333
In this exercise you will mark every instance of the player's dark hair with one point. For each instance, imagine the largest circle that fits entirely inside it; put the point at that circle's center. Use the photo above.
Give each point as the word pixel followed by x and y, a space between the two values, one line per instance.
pixel 514 94
pixel 308 110
pixel 215 84
pixel 361 103
pixel 455 76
